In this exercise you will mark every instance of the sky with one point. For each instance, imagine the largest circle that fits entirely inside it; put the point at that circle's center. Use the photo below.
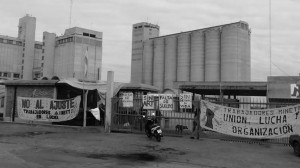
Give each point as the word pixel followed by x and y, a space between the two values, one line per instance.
pixel 115 19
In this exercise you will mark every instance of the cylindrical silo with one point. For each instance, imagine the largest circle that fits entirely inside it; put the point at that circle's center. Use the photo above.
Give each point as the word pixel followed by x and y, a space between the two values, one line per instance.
pixel 158 63
pixel 212 55
pixel 235 53
pixel 148 62
pixel 183 57
pixel 197 56
pixel 230 60
pixel 245 52
pixel 170 61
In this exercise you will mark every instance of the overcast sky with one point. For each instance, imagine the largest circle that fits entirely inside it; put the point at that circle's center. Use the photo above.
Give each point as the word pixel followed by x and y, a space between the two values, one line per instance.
pixel 115 18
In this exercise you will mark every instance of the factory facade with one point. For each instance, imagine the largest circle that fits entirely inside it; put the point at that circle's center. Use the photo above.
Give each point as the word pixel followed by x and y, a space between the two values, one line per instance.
pixel 214 54
pixel 62 56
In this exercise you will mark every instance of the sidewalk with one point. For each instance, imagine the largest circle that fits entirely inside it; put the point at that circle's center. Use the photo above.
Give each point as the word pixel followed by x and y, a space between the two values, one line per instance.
pixel 35 146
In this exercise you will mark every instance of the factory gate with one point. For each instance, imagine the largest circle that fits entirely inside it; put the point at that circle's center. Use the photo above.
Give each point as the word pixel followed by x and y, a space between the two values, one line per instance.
pixel 130 119
pixel 180 122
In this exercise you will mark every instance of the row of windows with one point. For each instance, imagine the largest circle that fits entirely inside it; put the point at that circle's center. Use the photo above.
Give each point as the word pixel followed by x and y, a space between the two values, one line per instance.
pixel 7 41
pixel 89 35
pixel 8 74
pixel 148 26
pixel 65 40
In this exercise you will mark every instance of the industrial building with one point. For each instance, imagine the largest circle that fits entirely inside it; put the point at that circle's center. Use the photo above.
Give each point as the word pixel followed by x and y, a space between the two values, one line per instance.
pixel 56 56
pixel 140 32
pixel 214 54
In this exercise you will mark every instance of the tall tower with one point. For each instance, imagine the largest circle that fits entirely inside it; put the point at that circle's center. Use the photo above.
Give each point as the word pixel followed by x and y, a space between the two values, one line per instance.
pixel 26 33
pixel 140 32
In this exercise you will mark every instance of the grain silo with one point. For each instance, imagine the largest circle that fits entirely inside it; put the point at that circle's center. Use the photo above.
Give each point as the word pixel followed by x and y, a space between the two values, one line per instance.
pixel 148 62
pixel 183 57
pixel 235 59
pixel 170 61
pixel 212 54
pixel 197 56
pixel 158 63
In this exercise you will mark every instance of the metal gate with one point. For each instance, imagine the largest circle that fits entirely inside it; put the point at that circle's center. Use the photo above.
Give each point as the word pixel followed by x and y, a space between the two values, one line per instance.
pixel 178 122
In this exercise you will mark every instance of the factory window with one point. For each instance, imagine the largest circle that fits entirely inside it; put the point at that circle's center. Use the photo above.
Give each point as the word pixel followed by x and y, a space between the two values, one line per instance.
pixel 43 37
pixel 86 34
pixel 38 46
pixel 140 26
pixel 9 42
pixel 2 102
pixel 42 64
pixel 23 44
pixel 19 43
pixel 23 49
pixel 44 43
pixel 42 57
pixel 93 35
pixel 147 26
pixel 1 40
pixel 16 75
pixel 22 61
pixel 71 39
pixel 5 74
pixel 135 27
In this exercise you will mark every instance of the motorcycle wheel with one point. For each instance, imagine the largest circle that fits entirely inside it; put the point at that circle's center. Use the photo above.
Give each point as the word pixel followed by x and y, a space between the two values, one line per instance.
pixel 158 138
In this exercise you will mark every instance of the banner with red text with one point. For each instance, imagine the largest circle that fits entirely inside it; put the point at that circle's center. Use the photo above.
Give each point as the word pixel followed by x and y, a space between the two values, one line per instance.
pixel 260 123
pixel 46 109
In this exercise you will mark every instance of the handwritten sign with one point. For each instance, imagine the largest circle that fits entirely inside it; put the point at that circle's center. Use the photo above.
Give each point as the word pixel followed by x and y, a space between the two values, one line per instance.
pixel 127 99
pixel 166 102
pixel 148 102
pixel 185 101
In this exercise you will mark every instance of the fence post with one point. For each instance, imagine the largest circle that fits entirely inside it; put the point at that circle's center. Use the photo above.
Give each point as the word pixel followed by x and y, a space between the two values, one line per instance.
pixel 198 120
pixel 108 99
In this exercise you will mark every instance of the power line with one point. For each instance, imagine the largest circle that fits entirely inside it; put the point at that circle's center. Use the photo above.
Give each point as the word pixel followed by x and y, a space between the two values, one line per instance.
pixel 270 37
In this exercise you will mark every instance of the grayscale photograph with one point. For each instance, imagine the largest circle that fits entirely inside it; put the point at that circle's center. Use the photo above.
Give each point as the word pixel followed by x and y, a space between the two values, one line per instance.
pixel 149 84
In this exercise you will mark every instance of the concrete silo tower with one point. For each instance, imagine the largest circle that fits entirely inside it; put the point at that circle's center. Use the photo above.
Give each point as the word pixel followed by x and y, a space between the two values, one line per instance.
pixel 140 32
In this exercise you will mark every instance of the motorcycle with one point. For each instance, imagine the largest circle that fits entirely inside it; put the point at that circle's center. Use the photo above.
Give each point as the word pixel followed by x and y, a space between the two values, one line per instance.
pixel 153 129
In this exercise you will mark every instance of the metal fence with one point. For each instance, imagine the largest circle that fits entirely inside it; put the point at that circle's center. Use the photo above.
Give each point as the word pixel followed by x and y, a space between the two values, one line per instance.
pixel 179 122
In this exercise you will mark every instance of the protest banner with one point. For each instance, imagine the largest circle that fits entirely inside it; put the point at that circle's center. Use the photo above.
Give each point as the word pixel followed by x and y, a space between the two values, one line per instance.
pixel 260 124
pixel 46 109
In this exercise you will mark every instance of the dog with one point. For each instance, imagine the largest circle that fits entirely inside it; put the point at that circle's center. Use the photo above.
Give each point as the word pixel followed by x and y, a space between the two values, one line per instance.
pixel 180 128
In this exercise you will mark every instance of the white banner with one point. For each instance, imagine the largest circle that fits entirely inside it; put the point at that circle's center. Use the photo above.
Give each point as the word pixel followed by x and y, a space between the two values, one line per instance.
pixel 166 102
pixel 127 99
pixel 265 123
pixel 185 101
pixel 46 109
pixel 148 102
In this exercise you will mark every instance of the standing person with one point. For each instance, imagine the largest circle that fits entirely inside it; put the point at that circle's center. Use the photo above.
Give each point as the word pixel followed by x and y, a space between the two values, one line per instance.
pixel 195 124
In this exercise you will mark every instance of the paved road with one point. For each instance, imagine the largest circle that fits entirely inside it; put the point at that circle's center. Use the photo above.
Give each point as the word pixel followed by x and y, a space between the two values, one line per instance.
pixel 25 146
